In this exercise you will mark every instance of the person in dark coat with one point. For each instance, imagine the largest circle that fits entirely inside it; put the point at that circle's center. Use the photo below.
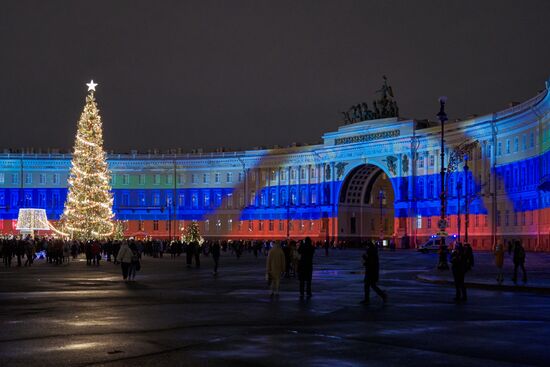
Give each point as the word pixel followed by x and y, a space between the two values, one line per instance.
pixel 197 251
pixel 468 256
pixel 189 249
pixel 372 272
pixel 216 255
pixel 458 264
pixel 305 266
pixel 519 261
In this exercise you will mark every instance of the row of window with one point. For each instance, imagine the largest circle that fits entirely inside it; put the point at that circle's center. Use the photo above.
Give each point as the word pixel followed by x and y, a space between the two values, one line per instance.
pixel 300 225
pixel 524 144
pixel 28 200
pixel 28 178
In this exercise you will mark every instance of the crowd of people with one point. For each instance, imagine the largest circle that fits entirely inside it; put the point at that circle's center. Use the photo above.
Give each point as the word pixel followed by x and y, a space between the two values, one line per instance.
pixel 283 258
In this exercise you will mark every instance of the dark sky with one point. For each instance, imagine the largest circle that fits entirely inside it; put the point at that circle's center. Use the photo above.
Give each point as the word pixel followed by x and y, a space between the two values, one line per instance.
pixel 247 73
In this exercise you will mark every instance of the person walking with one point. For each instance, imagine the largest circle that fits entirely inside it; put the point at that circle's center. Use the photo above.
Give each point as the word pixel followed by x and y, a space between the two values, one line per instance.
pixel 305 266
pixel 124 256
pixel 275 266
pixel 216 255
pixel 371 263
pixel 519 261
pixel 458 264
pixel 499 261
pixel 135 264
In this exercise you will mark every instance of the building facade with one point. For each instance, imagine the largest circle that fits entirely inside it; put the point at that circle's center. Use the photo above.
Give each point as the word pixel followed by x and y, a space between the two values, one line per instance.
pixel 371 179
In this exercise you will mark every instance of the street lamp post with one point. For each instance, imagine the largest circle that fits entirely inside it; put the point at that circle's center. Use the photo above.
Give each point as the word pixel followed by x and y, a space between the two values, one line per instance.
pixel 466 199
pixel 381 197
pixel 442 116
pixel 459 192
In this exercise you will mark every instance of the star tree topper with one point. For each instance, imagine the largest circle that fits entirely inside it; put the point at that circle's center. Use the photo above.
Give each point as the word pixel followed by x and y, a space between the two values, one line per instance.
pixel 91 86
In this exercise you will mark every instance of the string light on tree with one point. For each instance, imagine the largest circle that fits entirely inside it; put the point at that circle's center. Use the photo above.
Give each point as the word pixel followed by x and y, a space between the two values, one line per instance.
pixel 88 212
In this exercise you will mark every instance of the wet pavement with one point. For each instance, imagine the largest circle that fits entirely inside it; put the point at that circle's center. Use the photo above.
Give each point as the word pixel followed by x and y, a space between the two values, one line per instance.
pixel 76 315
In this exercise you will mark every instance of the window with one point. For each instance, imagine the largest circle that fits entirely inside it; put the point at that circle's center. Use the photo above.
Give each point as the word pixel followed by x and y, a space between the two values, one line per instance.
pixel 217 177
pixel 432 161
pixel 303 173
pixel 250 226
pixel 125 179
pixel 2 198
pixel 229 201
pixel 141 199
pixel 55 200
pixel 429 222
pixel 28 198
pixel 207 225
pixel 141 179
pixel 156 199
pixel 14 199
pixel 181 179
pixel 240 226
pixel 141 225
pixel 499 148
pixel 229 177
pixel 156 180
pixel 516 144
pixel 303 197
pixel 524 142
pixel 261 225
pixel 282 174
pixel 532 140
pixel 169 179
pixel 28 178
pixel 193 178
pixel 218 199
pixel 273 175
pixel 125 199
pixel 253 198
pixel 271 225
pixel 292 174
pixel 206 200
pixel 419 222
pixel 2 177
pixel 507 146
pixel 42 199
pixel 195 200
pixel 155 225
pixel 42 179
pixel 56 178
pixel 313 172
pixel 313 197
pixel 167 224
pixel 263 200
pixel 281 225
pixel 205 178
pixel 230 225
pixel 218 225
pixel 240 176
pixel 181 200
pixel 421 162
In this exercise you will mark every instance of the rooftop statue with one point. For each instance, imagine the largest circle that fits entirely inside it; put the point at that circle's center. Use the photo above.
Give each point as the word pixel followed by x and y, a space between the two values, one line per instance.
pixel 383 107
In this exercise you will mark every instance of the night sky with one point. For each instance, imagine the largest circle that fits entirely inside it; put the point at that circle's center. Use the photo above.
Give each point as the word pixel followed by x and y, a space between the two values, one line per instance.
pixel 240 74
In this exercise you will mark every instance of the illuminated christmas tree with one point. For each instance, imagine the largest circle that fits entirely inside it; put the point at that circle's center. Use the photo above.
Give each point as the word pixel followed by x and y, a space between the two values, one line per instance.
pixel 192 233
pixel 88 212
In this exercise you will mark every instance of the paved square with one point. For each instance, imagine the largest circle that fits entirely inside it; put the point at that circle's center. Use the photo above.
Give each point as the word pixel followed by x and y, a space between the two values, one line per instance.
pixel 77 315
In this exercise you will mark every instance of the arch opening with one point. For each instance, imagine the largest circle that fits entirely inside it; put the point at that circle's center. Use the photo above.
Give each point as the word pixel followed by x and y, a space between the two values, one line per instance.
pixel 366 206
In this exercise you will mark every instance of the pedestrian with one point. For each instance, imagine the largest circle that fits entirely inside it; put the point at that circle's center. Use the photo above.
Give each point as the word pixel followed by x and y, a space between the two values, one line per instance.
pixel 135 264
pixel 275 266
pixel 371 263
pixel 216 255
pixel 305 266
pixel 468 257
pixel 197 251
pixel 499 261
pixel 124 256
pixel 189 254
pixel 458 264
pixel 519 261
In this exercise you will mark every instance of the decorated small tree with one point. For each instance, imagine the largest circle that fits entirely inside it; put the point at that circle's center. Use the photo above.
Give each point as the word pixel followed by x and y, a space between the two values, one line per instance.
pixel 192 233
pixel 88 212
